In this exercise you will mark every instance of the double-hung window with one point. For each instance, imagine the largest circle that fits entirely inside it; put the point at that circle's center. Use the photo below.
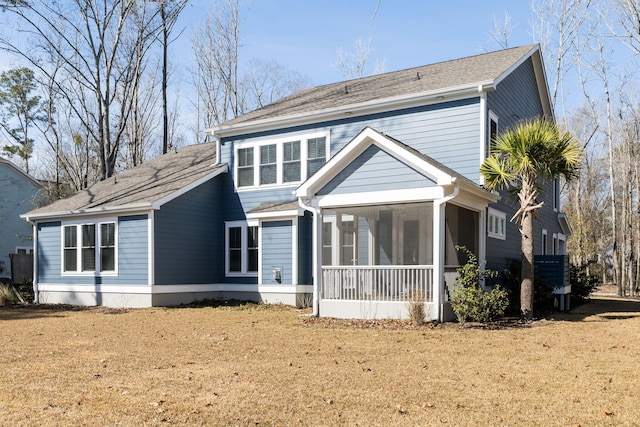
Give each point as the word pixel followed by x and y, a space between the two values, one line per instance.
pixel 89 248
pixel 279 161
pixel 315 154
pixel 242 248
pixel 268 164
pixel 291 167
pixel 245 167
pixel 496 224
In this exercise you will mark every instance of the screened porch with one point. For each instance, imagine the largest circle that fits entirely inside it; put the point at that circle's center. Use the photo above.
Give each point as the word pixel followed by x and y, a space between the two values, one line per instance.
pixel 386 253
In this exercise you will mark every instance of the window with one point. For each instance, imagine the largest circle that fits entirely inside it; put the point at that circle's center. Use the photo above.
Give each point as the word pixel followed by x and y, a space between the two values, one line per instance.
pixel 108 246
pixel 84 251
pixel 242 248
pixel 245 167
pixel 268 164
pixel 279 161
pixel 316 154
pixel 496 224
pixel 89 247
pixel 291 167
pixel 544 242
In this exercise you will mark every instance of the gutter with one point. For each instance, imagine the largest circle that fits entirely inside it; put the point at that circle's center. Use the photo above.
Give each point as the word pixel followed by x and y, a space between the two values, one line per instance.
pixel 352 110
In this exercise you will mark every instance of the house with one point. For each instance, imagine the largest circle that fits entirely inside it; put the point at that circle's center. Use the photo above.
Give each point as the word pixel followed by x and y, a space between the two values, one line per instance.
pixel 349 197
pixel 19 192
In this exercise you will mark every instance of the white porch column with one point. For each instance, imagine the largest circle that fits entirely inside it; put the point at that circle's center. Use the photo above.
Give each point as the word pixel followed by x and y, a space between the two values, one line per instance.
pixel 438 257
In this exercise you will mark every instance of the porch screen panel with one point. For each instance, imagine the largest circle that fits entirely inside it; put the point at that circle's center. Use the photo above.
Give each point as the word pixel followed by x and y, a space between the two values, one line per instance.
pixel 384 248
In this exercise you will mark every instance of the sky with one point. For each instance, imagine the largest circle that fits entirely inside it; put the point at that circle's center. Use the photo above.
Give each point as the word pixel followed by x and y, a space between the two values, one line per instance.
pixel 304 35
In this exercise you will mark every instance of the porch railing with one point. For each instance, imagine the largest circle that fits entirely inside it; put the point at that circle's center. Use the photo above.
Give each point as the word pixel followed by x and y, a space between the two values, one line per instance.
pixel 378 282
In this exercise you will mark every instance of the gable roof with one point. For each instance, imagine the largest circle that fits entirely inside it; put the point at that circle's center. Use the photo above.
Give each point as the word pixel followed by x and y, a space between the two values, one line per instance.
pixel 386 91
pixel 427 166
pixel 144 187
pixel 20 171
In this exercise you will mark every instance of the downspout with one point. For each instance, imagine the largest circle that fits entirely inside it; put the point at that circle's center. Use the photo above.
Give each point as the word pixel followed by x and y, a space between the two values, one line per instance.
pixel 314 254
pixel 36 299
pixel 439 232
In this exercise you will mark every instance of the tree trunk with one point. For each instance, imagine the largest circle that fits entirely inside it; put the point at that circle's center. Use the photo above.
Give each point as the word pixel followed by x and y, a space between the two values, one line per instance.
pixel 527 273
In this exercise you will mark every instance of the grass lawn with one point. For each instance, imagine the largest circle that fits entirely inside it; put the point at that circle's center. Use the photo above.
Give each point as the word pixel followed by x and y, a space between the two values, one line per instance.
pixel 260 365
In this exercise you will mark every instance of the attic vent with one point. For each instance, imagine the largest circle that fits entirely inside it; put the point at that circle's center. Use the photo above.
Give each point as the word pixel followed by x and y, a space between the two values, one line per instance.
pixel 346 90
pixel 418 75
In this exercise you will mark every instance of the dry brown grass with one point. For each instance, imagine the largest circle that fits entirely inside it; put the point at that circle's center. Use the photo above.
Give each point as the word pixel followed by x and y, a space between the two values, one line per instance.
pixel 269 366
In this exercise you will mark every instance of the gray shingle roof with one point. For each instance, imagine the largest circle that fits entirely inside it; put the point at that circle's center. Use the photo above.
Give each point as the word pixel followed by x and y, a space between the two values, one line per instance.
pixel 142 185
pixel 278 206
pixel 464 72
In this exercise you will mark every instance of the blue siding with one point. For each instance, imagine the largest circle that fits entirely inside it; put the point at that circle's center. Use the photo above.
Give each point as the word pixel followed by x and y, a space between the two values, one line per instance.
pixel 448 132
pixel 276 250
pixel 49 252
pixel 131 250
pixel 375 170
pixel 133 257
pixel 189 237
pixel 516 98
pixel 18 195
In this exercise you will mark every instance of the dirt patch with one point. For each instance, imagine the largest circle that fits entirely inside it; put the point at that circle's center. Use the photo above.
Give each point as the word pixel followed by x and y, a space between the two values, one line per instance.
pixel 273 365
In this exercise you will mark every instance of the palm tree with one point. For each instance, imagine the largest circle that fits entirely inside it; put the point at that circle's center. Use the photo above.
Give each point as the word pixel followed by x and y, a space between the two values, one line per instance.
pixel 530 153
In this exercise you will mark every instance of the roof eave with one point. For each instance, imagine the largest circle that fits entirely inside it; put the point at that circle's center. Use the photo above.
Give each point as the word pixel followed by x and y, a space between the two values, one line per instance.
pixel 352 110
pixel 133 208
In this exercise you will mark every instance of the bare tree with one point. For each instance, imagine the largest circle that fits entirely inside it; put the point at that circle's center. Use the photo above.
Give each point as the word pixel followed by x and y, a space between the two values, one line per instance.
pixel 502 30
pixel 224 88
pixel 98 66
pixel 356 64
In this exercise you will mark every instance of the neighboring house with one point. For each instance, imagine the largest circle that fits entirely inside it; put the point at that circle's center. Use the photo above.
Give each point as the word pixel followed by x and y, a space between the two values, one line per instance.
pixel 350 196
pixel 19 193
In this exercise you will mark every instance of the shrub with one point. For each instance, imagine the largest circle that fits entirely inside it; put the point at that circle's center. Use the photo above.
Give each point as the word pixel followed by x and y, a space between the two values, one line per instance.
pixel 582 283
pixel 6 295
pixel 416 309
pixel 469 301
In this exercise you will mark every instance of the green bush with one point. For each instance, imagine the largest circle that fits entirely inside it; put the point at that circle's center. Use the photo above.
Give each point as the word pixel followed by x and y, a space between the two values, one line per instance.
pixel 469 301
pixel 582 283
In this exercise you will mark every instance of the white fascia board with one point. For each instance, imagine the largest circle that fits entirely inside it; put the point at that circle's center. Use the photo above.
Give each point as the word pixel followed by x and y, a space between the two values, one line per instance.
pixel 541 77
pixel 223 169
pixel 381 197
pixel 351 110
pixel 133 208
pixel 20 171
pixel 357 146
pixel 293 213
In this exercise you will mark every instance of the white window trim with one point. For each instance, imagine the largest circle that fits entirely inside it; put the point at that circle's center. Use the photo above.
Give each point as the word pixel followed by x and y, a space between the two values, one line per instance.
pixel 243 269
pixel 544 242
pixel 89 273
pixel 279 142
pixel 491 214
